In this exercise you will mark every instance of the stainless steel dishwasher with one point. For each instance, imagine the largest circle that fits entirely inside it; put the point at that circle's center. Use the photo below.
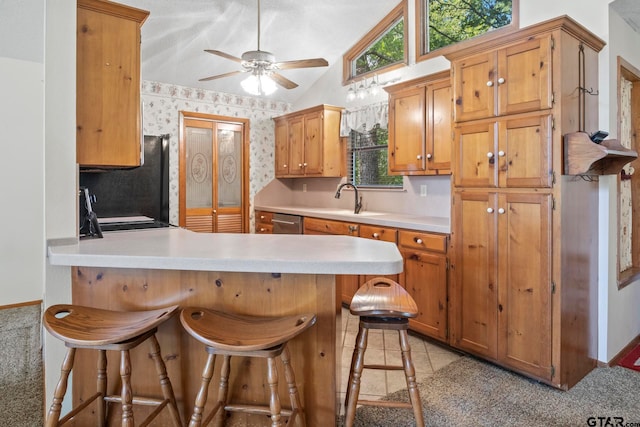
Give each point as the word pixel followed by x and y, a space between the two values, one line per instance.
pixel 287 224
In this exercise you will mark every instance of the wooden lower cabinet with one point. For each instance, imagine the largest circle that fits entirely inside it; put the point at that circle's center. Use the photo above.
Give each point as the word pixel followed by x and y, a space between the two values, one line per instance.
pixel 424 274
pixel 425 278
pixel 263 222
pixel 346 284
pixel 501 286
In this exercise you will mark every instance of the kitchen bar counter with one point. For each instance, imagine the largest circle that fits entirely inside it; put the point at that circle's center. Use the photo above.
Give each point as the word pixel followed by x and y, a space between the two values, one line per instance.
pixel 265 275
pixel 180 249
pixel 412 222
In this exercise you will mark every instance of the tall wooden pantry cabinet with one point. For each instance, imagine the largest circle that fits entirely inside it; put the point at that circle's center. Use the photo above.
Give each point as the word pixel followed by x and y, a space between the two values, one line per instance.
pixel 523 283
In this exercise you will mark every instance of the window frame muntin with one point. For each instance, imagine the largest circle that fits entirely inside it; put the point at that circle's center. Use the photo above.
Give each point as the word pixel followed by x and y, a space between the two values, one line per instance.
pixel 400 11
pixel 420 36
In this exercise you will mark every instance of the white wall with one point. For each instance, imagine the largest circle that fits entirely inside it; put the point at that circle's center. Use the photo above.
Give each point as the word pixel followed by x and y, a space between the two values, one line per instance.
pixel 22 245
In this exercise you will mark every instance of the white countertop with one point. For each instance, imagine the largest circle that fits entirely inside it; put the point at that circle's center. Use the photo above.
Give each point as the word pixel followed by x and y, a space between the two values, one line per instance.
pixel 180 249
pixel 412 222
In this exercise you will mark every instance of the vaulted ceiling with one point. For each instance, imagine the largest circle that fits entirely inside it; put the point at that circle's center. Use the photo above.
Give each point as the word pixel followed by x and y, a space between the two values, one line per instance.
pixel 177 32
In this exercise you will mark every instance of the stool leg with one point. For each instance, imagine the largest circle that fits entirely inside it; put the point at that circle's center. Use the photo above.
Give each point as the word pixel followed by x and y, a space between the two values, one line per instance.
pixel 410 375
pixel 102 387
pixel 201 398
pixel 294 396
pixel 165 383
pixel 274 400
pixel 61 389
pixel 355 375
pixel 126 393
pixel 223 391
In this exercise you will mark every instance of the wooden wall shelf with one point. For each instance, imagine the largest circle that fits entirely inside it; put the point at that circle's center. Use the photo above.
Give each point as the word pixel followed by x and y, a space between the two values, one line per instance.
pixel 585 157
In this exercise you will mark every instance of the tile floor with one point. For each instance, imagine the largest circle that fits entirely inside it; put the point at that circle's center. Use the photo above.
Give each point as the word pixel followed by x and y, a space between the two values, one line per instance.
pixel 383 347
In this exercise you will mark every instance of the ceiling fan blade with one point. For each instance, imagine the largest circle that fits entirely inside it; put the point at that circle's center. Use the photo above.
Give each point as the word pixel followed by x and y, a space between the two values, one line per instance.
pixel 219 76
pixel 224 55
pixel 302 63
pixel 283 81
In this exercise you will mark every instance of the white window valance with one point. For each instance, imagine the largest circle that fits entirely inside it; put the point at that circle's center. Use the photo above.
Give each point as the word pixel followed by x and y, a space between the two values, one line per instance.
pixel 365 118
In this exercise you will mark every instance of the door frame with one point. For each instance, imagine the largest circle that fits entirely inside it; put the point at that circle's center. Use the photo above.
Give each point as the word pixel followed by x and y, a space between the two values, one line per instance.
pixel 182 198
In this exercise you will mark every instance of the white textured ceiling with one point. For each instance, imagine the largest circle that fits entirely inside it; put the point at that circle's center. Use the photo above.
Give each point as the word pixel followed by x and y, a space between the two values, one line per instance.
pixel 177 32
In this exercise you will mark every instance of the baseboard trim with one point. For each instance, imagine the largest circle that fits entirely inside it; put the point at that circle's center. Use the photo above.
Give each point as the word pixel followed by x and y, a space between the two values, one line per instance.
pixel 21 304
pixel 616 360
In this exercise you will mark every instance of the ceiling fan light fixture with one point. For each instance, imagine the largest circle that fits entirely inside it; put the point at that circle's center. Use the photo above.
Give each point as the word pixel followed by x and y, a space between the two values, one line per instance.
pixel 258 84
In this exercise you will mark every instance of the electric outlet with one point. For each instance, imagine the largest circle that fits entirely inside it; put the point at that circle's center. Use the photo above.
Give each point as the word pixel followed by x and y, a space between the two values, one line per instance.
pixel 304 188
pixel 423 190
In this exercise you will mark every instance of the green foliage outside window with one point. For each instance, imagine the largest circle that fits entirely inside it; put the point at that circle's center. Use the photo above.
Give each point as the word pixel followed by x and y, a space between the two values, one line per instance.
pixel 452 21
pixel 387 50
pixel 369 161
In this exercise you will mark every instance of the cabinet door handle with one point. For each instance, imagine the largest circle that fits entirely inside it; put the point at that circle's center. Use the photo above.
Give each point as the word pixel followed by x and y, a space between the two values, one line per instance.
pixel 489 83
pixel 299 165
pixel 418 240
pixel 261 216
pixel 490 210
pixel 490 154
pixel 304 164
pixel 284 166
pixel 501 211
pixel 262 230
pixel 429 156
pixel 501 80
pixel 501 153
pixel 419 157
pixel 376 236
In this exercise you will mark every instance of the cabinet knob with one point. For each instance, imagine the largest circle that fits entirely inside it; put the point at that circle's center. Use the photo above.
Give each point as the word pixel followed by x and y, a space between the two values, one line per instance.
pixel 501 153
pixel 285 166
pixel 429 156
pixel 418 240
pixel 501 211
pixel 501 80
pixel 261 216
pixel 490 154
pixel 419 157
pixel 299 165
pixel 376 236
pixel 262 230
pixel 489 83
pixel 490 210
pixel 304 164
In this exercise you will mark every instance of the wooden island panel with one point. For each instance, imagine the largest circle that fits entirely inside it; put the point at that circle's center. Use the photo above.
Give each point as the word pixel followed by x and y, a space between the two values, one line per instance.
pixel 315 355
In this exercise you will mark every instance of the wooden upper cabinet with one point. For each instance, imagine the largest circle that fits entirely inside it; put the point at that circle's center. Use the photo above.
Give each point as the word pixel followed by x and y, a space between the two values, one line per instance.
pixel 407 128
pixel 439 128
pixel 308 143
pixel 510 80
pixel 420 133
pixel 281 153
pixel 514 151
pixel 108 110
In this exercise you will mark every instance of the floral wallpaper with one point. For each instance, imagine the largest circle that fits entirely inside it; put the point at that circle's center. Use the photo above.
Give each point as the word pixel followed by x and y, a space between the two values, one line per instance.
pixel 162 104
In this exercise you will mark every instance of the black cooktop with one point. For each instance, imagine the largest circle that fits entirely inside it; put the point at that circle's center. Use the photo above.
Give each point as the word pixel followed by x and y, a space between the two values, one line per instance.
pixel 126 223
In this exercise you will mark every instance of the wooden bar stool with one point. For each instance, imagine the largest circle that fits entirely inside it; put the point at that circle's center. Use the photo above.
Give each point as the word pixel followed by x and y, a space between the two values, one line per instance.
pixel 102 330
pixel 381 303
pixel 239 335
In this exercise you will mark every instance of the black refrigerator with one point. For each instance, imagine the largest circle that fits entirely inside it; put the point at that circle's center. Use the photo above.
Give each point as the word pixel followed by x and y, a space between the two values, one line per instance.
pixel 123 197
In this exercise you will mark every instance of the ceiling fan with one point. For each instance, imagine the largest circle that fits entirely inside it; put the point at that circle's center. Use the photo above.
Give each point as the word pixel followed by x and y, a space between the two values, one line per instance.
pixel 263 68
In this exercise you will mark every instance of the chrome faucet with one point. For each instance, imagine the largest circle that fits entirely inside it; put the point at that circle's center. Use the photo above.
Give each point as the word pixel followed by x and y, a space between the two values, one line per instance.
pixel 358 201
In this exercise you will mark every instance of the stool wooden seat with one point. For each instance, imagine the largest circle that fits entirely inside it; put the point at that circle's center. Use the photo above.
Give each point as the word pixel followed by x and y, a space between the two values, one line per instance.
pixel 240 335
pixel 381 303
pixel 102 330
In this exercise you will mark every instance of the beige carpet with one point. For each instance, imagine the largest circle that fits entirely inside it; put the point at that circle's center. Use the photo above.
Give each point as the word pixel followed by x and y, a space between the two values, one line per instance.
pixel 469 392
pixel 21 372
